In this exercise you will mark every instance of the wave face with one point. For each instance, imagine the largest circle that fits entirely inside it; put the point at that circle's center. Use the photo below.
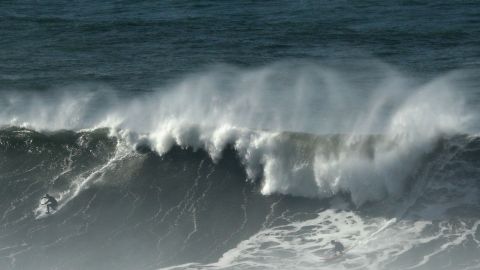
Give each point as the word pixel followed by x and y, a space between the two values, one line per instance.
pixel 123 209
pixel 253 110
pixel 244 169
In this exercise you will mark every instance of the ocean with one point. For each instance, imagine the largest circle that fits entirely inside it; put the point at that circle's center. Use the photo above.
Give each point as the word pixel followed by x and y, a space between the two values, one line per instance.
pixel 239 134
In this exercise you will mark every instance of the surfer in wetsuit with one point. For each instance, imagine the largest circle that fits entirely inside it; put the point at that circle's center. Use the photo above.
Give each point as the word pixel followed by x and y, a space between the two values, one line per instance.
pixel 50 202
pixel 338 247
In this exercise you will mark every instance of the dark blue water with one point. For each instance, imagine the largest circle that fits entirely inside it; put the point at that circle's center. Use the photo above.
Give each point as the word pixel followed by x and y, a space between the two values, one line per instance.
pixel 136 46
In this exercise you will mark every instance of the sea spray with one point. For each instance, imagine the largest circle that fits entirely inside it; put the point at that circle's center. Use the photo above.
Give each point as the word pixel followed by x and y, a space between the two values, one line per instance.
pixel 378 130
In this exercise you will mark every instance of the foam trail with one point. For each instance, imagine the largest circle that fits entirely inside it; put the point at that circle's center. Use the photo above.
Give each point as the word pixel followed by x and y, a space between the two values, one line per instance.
pixel 82 181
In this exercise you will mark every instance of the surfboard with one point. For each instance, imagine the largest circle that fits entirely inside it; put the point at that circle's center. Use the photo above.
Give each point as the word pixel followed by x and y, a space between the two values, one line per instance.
pixel 41 210
pixel 333 257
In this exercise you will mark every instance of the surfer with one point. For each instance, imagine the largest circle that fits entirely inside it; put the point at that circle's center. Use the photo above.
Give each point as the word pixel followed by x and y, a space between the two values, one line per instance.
pixel 338 247
pixel 50 202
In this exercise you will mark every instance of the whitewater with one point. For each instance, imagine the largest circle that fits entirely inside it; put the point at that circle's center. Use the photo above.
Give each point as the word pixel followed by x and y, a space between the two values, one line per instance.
pixel 245 168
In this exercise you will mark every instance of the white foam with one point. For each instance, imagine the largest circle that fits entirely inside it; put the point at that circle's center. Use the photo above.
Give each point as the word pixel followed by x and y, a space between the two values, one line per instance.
pixel 371 243
pixel 252 110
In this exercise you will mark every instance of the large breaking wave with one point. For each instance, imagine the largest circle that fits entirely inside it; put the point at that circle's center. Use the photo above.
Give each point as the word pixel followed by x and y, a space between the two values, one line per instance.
pixel 241 168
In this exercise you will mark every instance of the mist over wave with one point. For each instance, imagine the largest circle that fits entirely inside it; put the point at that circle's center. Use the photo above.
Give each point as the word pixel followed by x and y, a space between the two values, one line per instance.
pixel 255 111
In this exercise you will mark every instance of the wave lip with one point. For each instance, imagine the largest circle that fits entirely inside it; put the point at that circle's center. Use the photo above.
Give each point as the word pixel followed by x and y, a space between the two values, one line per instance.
pixel 263 112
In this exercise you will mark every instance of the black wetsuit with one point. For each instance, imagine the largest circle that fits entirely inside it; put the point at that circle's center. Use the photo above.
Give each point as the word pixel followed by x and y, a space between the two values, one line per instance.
pixel 51 203
pixel 338 247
